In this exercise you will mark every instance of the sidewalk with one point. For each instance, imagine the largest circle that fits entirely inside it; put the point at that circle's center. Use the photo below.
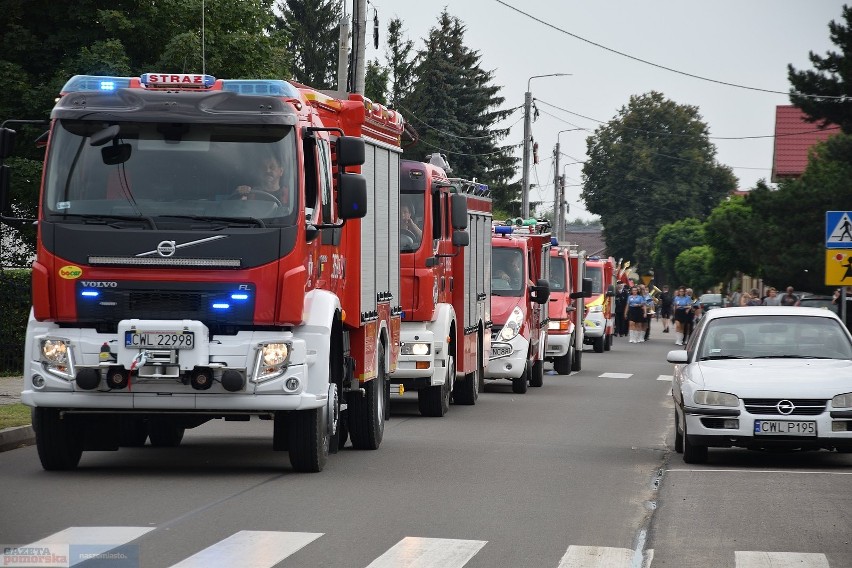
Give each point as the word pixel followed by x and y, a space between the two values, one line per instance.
pixel 12 438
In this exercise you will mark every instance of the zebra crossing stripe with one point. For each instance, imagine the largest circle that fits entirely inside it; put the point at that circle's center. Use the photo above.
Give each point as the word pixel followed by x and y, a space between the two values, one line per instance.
pixel 250 549
pixel 756 559
pixel 615 375
pixel 415 552
pixel 597 557
pixel 665 377
pixel 91 540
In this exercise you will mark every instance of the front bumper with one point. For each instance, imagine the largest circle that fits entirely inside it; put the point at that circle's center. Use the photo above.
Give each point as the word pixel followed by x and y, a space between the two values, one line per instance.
pixel 415 371
pixel 558 345
pixel 594 325
pixel 508 358
pixel 707 428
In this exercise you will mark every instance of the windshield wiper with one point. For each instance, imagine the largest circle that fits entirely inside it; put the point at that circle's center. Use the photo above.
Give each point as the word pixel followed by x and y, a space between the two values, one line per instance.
pixel 718 357
pixel 230 221
pixel 102 219
pixel 790 357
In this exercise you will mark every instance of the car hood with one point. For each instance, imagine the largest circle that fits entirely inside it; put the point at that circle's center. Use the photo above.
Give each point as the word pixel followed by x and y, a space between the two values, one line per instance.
pixel 763 378
pixel 502 306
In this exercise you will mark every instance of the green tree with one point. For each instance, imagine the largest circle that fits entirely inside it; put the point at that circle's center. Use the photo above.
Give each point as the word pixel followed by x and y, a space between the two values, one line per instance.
pixel 693 268
pixel 651 165
pixel 671 240
pixel 314 30
pixel 830 79
pixel 400 63
pixel 454 106
pixel 376 82
pixel 728 232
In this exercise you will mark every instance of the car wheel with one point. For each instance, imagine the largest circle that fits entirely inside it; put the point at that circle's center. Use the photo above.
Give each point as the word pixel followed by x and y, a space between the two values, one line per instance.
pixel 692 453
pixel 537 374
pixel 519 384
pixel 58 439
pixel 562 365
pixel 678 443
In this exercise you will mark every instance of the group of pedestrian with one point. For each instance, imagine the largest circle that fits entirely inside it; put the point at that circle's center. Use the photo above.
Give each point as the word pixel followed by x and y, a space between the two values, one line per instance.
pixel 635 308
pixel 753 298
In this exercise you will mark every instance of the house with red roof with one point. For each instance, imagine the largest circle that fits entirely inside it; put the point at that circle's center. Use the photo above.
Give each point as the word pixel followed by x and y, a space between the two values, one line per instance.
pixel 794 136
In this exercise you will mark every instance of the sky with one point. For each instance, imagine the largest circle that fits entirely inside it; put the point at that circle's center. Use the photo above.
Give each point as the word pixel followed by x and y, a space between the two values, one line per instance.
pixel 743 42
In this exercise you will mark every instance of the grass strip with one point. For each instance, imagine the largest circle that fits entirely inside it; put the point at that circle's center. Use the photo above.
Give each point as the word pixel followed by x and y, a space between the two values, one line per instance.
pixel 12 415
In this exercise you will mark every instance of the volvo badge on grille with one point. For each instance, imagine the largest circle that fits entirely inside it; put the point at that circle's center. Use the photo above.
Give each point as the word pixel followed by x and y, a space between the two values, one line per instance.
pixel 168 248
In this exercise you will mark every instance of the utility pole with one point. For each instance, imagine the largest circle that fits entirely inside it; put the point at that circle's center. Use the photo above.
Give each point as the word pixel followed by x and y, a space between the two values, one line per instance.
pixel 525 176
pixel 360 33
pixel 556 191
pixel 343 47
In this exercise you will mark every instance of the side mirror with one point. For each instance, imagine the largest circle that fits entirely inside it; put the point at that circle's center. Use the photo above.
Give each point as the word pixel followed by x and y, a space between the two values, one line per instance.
pixel 350 151
pixel 352 196
pixel 587 288
pixel 461 238
pixel 541 291
pixel 610 292
pixel 458 203
pixel 7 142
pixel 677 356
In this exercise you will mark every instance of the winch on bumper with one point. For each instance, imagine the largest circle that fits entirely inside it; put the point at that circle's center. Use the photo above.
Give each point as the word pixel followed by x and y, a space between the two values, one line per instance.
pixel 172 365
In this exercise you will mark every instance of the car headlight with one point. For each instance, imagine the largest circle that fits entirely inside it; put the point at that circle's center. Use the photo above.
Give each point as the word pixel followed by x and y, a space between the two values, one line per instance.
pixel 513 325
pixel 596 309
pixel 54 351
pixel 409 348
pixel 842 401
pixel 713 398
pixel 275 354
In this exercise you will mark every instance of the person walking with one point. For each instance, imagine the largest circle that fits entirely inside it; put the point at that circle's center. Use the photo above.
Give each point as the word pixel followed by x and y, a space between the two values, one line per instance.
pixel 789 299
pixel 666 307
pixel 682 304
pixel 635 315
pixel 692 311
pixel 650 311
pixel 621 309
pixel 772 298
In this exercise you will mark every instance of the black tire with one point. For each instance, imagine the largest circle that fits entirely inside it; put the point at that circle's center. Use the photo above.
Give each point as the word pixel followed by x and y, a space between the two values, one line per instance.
pixel 367 413
pixel 598 344
pixel 678 441
pixel 607 342
pixel 466 391
pixel 133 433
pixel 165 433
pixel 57 440
pixel 519 384
pixel 308 440
pixel 336 375
pixel 562 365
pixel 577 361
pixel 537 374
pixel 435 400
pixel 692 453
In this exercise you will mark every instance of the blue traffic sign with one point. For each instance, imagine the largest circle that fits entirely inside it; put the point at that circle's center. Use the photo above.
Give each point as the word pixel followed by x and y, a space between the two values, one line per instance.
pixel 838 229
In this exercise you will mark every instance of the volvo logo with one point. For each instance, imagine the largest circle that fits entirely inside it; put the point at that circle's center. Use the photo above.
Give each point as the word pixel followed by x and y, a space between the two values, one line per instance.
pixel 785 407
pixel 93 284
pixel 166 248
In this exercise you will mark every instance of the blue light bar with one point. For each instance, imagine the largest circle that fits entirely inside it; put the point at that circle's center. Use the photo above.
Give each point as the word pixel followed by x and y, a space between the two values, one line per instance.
pixel 95 83
pixel 554 241
pixel 219 306
pixel 90 293
pixel 503 230
pixel 239 296
pixel 265 87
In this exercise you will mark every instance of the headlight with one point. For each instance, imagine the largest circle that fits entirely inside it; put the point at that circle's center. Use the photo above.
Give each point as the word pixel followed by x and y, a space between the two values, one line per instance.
pixel 842 401
pixel 713 398
pixel 275 354
pixel 596 309
pixel 513 325
pixel 54 351
pixel 415 349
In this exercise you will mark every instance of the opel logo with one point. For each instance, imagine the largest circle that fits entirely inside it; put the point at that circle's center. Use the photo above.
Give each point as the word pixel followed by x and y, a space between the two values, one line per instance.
pixel 166 248
pixel 785 407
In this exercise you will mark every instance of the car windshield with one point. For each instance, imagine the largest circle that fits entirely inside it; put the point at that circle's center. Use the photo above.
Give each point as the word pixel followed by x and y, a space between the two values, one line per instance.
pixel 596 274
pixel 507 271
pixel 557 274
pixel 710 299
pixel 768 336
pixel 824 302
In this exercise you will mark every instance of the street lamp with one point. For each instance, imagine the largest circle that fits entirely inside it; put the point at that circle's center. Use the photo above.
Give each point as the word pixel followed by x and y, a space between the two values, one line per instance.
pixel 526 147
pixel 559 188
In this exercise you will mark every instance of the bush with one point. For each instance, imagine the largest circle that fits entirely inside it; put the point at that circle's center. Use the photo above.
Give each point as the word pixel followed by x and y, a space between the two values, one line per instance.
pixel 14 312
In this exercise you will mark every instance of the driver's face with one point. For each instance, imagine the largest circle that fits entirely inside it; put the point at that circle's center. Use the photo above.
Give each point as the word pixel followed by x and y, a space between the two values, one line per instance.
pixel 272 173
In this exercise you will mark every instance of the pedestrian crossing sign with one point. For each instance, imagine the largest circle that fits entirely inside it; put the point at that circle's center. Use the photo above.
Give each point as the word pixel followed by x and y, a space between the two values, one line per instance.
pixel 838 267
pixel 838 229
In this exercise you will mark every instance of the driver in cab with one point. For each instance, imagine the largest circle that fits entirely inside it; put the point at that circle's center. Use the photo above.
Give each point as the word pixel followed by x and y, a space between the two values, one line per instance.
pixel 269 184
pixel 406 223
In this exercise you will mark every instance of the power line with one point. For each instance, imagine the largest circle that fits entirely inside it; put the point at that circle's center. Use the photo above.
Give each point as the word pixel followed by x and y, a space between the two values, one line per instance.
pixel 450 134
pixel 840 98
pixel 502 150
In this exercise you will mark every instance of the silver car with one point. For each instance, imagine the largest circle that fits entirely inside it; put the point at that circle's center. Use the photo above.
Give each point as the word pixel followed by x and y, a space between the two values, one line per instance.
pixel 763 377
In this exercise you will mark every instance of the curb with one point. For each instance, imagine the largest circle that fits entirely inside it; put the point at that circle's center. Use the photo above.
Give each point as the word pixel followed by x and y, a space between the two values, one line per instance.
pixel 14 438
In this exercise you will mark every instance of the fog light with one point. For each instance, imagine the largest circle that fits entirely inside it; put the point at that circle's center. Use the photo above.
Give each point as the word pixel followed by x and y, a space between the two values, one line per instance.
pixel 292 384
pixel 731 424
pixel 88 379
pixel 202 379
pixel 840 426
pixel 38 381
pixel 233 381
pixel 117 378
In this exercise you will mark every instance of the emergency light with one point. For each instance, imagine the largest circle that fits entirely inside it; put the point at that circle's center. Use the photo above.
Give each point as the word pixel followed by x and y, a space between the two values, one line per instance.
pixel 268 87
pixel 80 83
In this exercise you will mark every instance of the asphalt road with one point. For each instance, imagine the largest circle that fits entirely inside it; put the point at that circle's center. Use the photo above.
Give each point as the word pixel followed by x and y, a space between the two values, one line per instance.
pixel 578 473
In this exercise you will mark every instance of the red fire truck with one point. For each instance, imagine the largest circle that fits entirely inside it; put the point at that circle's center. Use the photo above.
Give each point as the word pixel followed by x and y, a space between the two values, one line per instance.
pixel 599 322
pixel 445 256
pixel 213 249
pixel 567 284
pixel 519 293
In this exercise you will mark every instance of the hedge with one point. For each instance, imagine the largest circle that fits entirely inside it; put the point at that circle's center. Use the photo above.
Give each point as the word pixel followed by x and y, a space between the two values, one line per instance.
pixel 14 312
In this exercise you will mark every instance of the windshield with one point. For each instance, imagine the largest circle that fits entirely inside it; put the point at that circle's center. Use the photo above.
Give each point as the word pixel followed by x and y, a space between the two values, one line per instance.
pixel 774 336
pixel 410 221
pixel 596 274
pixel 507 272
pixel 557 274
pixel 172 170
pixel 710 299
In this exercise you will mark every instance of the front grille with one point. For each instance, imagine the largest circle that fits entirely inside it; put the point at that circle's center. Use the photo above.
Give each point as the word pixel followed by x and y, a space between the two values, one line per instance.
pixel 769 406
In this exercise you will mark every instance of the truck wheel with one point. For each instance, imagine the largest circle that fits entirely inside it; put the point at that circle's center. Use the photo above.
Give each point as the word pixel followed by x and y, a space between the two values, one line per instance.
pixel 367 412
pixel 519 384
pixel 134 432
pixel 308 440
pixel 165 433
pixel 537 374
pixel 577 361
pixel 466 391
pixel 57 440
pixel 435 400
pixel 562 365
pixel 598 344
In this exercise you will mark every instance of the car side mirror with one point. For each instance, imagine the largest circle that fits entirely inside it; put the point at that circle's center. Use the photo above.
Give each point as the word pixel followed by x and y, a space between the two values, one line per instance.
pixel 351 151
pixel 461 238
pixel 677 356
pixel 541 291
pixel 459 213
pixel 352 196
